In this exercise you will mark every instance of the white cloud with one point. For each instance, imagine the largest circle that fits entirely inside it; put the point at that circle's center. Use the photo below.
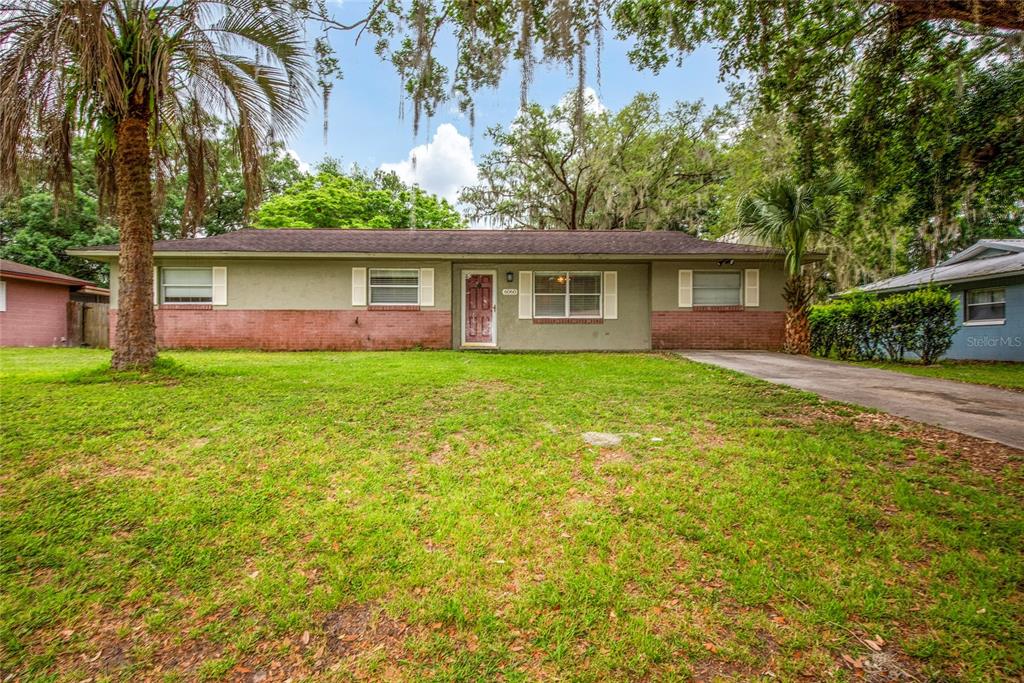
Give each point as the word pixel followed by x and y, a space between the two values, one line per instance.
pixel 303 166
pixel 591 102
pixel 443 166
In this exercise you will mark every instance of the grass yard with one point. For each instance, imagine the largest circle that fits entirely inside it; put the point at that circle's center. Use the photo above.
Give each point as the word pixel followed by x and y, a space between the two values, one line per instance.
pixel 996 374
pixel 436 515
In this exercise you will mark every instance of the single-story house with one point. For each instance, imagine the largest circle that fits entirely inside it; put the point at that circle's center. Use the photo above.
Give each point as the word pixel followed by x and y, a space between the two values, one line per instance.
pixel 464 289
pixel 34 304
pixel 987 280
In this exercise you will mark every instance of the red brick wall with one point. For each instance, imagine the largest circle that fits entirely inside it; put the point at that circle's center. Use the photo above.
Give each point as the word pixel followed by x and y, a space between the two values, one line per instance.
pixel 200 327
pixel 36 315
pixel 717 328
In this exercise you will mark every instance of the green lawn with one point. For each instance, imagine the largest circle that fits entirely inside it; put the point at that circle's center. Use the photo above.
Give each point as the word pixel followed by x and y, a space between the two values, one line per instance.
pixel 1005 375
pixel 436 515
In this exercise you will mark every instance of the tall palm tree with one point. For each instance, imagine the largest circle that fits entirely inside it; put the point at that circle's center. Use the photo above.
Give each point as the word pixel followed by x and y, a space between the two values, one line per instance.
pixel 135 73
pixel 793 218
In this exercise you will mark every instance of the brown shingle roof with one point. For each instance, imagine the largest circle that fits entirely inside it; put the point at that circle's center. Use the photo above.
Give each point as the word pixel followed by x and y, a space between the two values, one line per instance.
pixel 531 242
pixel 20 271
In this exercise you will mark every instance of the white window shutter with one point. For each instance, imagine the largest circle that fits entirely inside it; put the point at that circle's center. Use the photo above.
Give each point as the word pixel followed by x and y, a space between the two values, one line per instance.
pixel 525 294
pixel 156 285
pixel 611 295
pixel 220 286
pixel 426 286
pixel 359 286
pixel 752 287
pixel 685 289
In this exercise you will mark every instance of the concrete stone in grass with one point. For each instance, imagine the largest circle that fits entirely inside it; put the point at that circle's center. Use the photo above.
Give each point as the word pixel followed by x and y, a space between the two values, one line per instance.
pixel 603 439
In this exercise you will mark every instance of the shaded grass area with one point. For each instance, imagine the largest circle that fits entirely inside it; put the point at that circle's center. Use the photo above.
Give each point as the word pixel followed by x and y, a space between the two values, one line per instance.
pixel 993 373
pixel 436 515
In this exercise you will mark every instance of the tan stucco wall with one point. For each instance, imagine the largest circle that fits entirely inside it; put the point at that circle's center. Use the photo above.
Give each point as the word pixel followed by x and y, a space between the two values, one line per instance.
pixel 299 284
pixel 665 282
pixel 631 331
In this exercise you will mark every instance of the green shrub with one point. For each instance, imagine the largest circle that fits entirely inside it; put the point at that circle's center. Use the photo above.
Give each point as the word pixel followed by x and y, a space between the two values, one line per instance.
pixel 862 326
pixel 893 329
pixel 823 334
pixel 845 326
pixel 934 314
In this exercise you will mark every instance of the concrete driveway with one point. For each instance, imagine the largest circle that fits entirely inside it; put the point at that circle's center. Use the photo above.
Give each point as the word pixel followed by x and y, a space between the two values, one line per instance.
pixel 985 412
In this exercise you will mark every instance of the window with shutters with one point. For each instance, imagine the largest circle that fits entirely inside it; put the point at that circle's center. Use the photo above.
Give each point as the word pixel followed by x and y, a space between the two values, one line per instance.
pixel 186 285
pixel 394 286
pixel 564 294
pixel 716 288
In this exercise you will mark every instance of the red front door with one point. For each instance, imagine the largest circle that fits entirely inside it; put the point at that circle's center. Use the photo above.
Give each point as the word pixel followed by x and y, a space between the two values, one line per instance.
pixel 479 309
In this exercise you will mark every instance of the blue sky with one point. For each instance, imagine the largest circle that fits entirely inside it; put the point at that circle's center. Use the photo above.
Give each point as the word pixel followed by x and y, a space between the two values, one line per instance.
pixel 365 126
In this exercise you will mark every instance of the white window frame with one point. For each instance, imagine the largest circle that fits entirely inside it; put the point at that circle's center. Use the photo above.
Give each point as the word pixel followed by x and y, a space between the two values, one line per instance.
pixel 694 288
pixel 3 295
pixel 164 285
pixel 370 286
pixel 566 308
pixel 983 321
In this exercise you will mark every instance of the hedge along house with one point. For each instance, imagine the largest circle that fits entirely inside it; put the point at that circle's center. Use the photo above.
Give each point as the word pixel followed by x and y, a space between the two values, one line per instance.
pixel 465 289
pixel 987 281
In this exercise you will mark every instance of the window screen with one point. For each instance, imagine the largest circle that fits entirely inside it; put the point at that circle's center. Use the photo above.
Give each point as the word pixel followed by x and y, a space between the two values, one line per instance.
pixel 985 304
pixel 716 289
pixel 565 294
pixel 188 285
pixel 394 286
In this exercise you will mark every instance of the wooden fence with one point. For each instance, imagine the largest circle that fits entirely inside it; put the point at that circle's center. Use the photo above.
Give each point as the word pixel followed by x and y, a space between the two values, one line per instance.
pixel 88 324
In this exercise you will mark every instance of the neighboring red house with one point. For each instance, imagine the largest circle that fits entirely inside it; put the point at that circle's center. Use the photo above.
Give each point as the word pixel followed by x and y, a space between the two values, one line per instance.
pixel 34 304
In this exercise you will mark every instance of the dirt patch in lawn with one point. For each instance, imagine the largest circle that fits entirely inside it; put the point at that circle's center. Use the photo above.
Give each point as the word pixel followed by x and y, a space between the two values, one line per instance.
pixel 486 386
pixel 358 627
pixel 614 456
pixel 987 457
pixel 441 454
pixel 707 436
pixel 718 669
pixel 106 642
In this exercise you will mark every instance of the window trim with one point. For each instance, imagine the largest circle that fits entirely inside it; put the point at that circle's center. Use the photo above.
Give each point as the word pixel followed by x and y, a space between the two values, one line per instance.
pixel 740 290
pixel 568 295
pixel 969 322
pixel 370 286
pixel 164 285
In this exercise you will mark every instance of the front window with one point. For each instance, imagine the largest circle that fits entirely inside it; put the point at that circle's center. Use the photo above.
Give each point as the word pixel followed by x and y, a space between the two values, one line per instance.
pixel 985 305
pixel 394 286
pixel 563 294
pixel 716 288
pixel 188 285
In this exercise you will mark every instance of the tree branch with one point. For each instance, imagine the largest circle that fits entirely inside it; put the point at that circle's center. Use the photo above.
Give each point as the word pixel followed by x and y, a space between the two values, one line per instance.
pixel 1005 14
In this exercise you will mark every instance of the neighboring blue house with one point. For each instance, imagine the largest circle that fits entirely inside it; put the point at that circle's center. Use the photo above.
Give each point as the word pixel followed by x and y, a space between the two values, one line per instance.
pixel 987 280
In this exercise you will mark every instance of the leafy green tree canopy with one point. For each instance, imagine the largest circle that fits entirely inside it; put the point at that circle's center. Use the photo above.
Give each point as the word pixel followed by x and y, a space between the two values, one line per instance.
pixel 636 169
pixel 332 198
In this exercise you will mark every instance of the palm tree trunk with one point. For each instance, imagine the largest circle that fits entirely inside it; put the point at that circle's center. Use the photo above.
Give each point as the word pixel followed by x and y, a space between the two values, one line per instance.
pixel 798 332
pixel 797 294
pixel 135 342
